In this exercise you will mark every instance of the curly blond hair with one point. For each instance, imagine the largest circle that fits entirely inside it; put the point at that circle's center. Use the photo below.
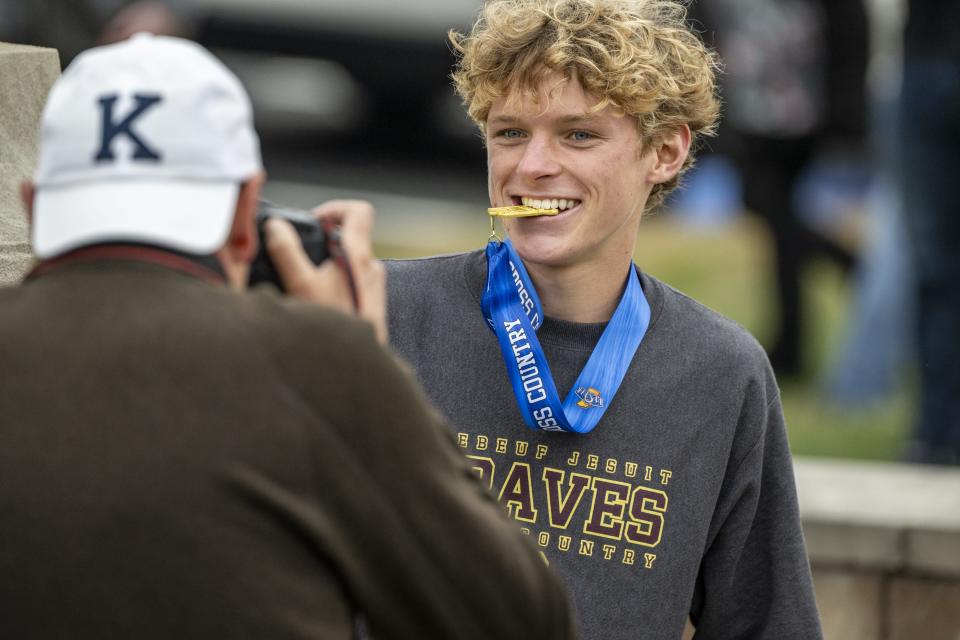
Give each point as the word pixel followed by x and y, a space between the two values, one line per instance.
pixel 638 55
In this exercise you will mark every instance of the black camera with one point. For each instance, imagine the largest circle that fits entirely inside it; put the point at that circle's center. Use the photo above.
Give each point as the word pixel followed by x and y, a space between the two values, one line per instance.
pixel 314 238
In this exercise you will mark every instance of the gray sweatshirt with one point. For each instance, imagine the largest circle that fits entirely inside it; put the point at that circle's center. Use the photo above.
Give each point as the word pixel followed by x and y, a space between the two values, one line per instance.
pixel 680 503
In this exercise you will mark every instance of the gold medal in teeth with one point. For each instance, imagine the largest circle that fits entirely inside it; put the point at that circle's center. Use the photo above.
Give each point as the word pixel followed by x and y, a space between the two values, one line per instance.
pixel 520 211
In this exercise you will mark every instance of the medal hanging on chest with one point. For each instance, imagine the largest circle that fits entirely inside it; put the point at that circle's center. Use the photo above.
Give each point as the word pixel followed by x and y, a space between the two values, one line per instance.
pixel 512 309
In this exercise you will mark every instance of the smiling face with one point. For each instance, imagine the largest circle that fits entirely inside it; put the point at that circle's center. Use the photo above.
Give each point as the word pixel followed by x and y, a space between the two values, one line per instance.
pixel 554 152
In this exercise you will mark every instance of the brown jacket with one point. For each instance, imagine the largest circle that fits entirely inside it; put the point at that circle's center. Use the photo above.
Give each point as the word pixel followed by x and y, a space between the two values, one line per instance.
pixel 178 460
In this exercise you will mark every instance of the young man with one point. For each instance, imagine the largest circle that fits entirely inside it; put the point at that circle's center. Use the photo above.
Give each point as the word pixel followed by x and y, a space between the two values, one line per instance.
pixel 670 492
pixel 182 460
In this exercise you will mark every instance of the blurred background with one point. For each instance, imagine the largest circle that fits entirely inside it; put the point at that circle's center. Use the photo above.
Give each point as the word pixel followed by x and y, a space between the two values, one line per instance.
pixel 791 223
pixel 822 218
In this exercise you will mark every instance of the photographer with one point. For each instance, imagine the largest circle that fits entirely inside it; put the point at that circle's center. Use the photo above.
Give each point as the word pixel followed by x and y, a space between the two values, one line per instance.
pixel 183 460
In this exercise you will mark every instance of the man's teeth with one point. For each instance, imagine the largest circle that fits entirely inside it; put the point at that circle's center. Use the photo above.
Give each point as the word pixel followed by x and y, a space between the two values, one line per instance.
pixel 549 204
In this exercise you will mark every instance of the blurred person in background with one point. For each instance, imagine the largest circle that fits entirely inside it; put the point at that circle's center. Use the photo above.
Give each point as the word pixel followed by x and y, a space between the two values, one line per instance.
pixel 71 26
pixel 929 163
pixel 877 349
pixel 181 459
pixel 793 87
pixel 661 487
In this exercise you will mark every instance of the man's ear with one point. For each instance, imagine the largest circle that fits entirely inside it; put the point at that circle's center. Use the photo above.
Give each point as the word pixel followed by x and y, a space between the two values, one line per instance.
pixel 242 241
pixel 671 152
pixel 26 195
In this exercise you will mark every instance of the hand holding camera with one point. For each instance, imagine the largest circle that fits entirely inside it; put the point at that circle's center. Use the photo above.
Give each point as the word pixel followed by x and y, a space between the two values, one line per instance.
pixel 328 259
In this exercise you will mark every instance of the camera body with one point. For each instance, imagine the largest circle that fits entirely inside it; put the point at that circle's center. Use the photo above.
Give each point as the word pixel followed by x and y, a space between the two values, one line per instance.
pixel 314 238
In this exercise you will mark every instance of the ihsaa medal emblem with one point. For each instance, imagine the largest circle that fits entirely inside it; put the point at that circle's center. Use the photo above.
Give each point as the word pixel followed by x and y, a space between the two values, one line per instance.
pixel 589 397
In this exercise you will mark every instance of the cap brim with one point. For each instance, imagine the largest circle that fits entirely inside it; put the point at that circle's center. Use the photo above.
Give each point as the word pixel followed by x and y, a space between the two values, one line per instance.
pixel 193 216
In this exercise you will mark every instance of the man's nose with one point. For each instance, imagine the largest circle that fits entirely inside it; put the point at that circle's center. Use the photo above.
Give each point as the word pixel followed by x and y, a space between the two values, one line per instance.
pixel 540 159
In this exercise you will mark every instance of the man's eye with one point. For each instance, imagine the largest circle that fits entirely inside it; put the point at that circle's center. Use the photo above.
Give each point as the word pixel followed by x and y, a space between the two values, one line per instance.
pixel 511 134
pixel 581 136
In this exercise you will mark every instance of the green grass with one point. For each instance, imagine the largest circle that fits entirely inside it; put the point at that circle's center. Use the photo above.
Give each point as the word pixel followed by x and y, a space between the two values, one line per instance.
pixel 729 269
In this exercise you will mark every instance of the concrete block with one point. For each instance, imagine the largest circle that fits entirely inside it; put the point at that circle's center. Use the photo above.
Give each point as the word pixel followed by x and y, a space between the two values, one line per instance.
pixel 935 553
pixel 924 608
pixel 26 74
pixel 850 604
pixel 885 516
pixel 853 545
pixel 888 495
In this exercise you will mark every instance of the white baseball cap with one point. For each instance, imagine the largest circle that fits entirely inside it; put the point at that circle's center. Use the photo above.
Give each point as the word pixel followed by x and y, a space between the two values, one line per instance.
pixel 146 140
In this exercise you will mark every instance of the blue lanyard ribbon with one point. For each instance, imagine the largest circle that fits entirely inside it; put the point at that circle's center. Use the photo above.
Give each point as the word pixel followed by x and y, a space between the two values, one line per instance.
pixel 512 309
